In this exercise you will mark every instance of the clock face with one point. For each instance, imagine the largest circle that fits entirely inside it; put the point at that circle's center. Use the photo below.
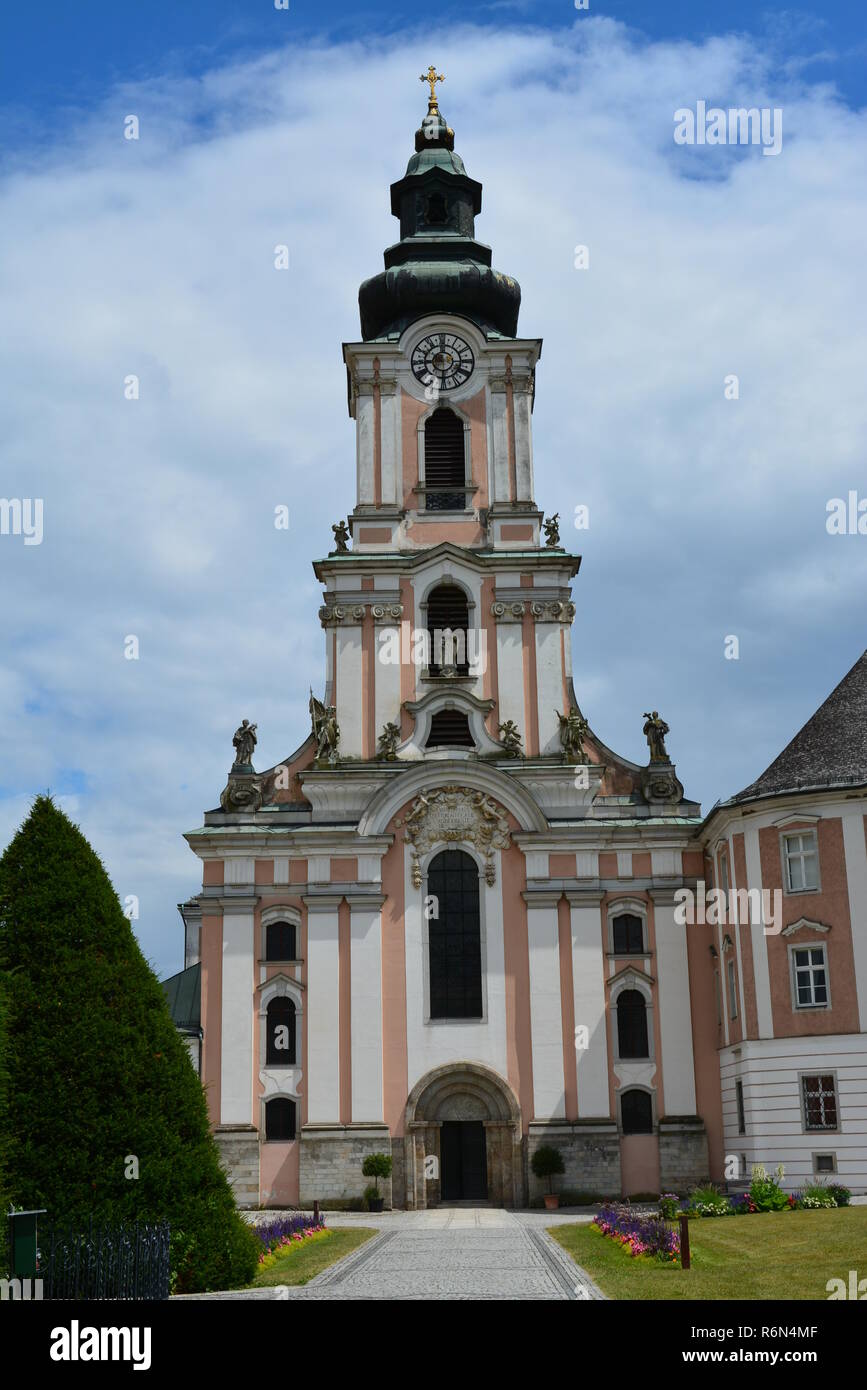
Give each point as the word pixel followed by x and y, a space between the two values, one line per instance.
pixel 444 359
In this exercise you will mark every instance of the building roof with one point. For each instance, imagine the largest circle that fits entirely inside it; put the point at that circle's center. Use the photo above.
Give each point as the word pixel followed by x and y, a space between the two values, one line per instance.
pixel 184 993
pixel 830 750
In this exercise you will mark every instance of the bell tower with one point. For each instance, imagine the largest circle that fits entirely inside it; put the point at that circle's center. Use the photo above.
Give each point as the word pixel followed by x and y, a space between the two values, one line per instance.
pixel 446 534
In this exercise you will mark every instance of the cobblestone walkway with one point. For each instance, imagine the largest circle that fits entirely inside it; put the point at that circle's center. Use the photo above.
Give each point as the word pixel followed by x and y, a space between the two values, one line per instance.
pixel 449 1253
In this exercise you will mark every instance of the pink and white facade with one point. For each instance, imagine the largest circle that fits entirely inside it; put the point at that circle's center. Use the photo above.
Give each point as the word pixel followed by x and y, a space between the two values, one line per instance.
pixel 451 950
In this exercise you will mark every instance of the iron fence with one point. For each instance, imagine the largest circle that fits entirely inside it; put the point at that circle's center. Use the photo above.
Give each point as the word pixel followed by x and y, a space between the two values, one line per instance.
pixel 105 1262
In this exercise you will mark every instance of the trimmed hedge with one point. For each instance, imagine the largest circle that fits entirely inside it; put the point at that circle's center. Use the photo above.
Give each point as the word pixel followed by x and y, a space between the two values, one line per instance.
pixel 99 1076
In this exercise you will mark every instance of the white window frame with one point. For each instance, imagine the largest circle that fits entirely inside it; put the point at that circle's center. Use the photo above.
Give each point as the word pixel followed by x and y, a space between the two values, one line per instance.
pixel 471 851
pixel 723 869
pixel 629 907
pixel 632 979
pixel 802 1077
pixel 740 1105
pixel 732 988
pixel 821 947
pixel 800 855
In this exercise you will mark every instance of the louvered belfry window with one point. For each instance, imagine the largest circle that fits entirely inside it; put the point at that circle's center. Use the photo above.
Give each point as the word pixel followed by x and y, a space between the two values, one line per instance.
pixel 454 933
pixel 448 613
pixel 444 469
pixel 450 728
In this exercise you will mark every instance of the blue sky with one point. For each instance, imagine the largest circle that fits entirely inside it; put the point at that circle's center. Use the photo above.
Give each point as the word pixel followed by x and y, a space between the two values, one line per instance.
pixel 56 53
pixel 156 258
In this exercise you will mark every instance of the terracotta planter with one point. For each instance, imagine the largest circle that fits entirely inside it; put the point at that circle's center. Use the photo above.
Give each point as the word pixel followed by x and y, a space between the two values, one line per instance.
pixel 552 1201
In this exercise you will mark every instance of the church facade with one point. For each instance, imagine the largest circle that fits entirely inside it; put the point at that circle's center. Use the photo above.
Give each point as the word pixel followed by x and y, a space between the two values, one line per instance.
pixel 454 926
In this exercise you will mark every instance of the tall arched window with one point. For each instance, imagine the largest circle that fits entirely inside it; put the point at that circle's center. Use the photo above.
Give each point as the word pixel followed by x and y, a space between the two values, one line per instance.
pixel 444 468
pixel 455 936
pixel 280 1118
pixel 280 1024
pixel 631 1024
pixel 280 941
pixel 636 1112
pixel 448 621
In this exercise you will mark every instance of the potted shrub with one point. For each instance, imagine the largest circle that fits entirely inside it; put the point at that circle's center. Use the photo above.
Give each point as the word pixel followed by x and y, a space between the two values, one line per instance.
pixel 546 1163
pixel 376 1166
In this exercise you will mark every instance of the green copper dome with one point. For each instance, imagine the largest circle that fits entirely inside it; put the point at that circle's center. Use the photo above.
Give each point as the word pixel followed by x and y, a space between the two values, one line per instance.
pixel 437 266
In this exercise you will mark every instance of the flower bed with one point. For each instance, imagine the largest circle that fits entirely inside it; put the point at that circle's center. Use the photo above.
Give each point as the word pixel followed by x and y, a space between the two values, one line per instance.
pixel 765 1194
pixel 640 1235
pixel 284 1232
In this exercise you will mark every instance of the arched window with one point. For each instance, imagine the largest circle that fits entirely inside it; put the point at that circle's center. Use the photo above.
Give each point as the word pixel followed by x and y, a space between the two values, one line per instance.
pixel 280 941
pixel 444 467
pixel 449 728
pixel 631 1024
pixel 636 1112
pixel 280 1024
pixel 280 1118
pixel 448 621
pixel 628 931
pixel 455 936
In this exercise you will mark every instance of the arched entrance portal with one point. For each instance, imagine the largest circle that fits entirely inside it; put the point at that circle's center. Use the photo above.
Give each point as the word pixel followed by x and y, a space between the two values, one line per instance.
pixel 463 1126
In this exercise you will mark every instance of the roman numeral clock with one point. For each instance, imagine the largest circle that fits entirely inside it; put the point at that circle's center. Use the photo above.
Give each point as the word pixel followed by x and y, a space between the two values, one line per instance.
pixel 444 359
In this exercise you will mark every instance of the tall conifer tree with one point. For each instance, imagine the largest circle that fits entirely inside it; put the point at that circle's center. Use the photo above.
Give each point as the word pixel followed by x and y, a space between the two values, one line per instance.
pixel 105 1114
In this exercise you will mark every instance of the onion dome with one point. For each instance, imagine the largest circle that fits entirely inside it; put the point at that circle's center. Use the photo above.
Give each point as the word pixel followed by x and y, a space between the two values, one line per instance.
pixel 437 266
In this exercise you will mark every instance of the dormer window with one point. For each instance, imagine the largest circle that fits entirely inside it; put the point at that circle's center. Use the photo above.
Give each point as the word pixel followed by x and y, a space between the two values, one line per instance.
pixel 444 462
pixel 450 728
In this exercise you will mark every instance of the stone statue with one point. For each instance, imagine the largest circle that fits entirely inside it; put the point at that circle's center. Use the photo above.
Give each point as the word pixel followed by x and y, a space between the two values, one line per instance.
pixel 654 731
pixel 573 731
pixel 244 743
pixel 388 741
pixel 341 538
pixel 551 527
pixel 326 730
pixel 510 738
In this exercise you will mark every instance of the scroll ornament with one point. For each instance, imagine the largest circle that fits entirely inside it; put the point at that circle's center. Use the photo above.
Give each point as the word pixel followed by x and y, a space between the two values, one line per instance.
pixel 453 814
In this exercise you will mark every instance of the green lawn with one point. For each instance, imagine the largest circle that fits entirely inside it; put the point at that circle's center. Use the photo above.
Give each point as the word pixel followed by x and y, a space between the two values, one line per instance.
pixel 788 1254
pixel 303 1261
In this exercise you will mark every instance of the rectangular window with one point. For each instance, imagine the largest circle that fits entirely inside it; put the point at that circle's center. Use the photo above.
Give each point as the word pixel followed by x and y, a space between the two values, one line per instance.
pixel 628 935
pixel 810 977
pixel 718 993
pixel 825 1163
pixel 733 998
pixel 820 1102
pixel 723 871
pixel 802 862
pixel 742 1119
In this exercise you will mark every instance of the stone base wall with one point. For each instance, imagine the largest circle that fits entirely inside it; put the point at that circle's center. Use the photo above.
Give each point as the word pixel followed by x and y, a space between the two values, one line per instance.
pixel 331 1159
pixel 591 1157
pixel 398 1173
pixel 683 1153
pixel 239 1151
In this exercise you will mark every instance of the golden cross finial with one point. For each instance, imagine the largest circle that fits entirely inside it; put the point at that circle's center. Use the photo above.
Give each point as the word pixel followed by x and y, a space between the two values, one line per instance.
pixel 433 78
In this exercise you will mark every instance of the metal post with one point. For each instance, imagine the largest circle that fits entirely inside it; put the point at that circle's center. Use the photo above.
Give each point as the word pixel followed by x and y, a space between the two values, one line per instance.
pixel 316 1213
pixel 684 1241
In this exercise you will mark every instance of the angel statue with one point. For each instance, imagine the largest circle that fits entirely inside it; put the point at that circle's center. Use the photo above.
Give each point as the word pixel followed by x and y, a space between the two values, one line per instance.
pixel 654 731
pixel 388 741
pixel 551 527
pixel 326 730
pixel 573 731
pixel 510 738
pixel 243 742
pixel 341 538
